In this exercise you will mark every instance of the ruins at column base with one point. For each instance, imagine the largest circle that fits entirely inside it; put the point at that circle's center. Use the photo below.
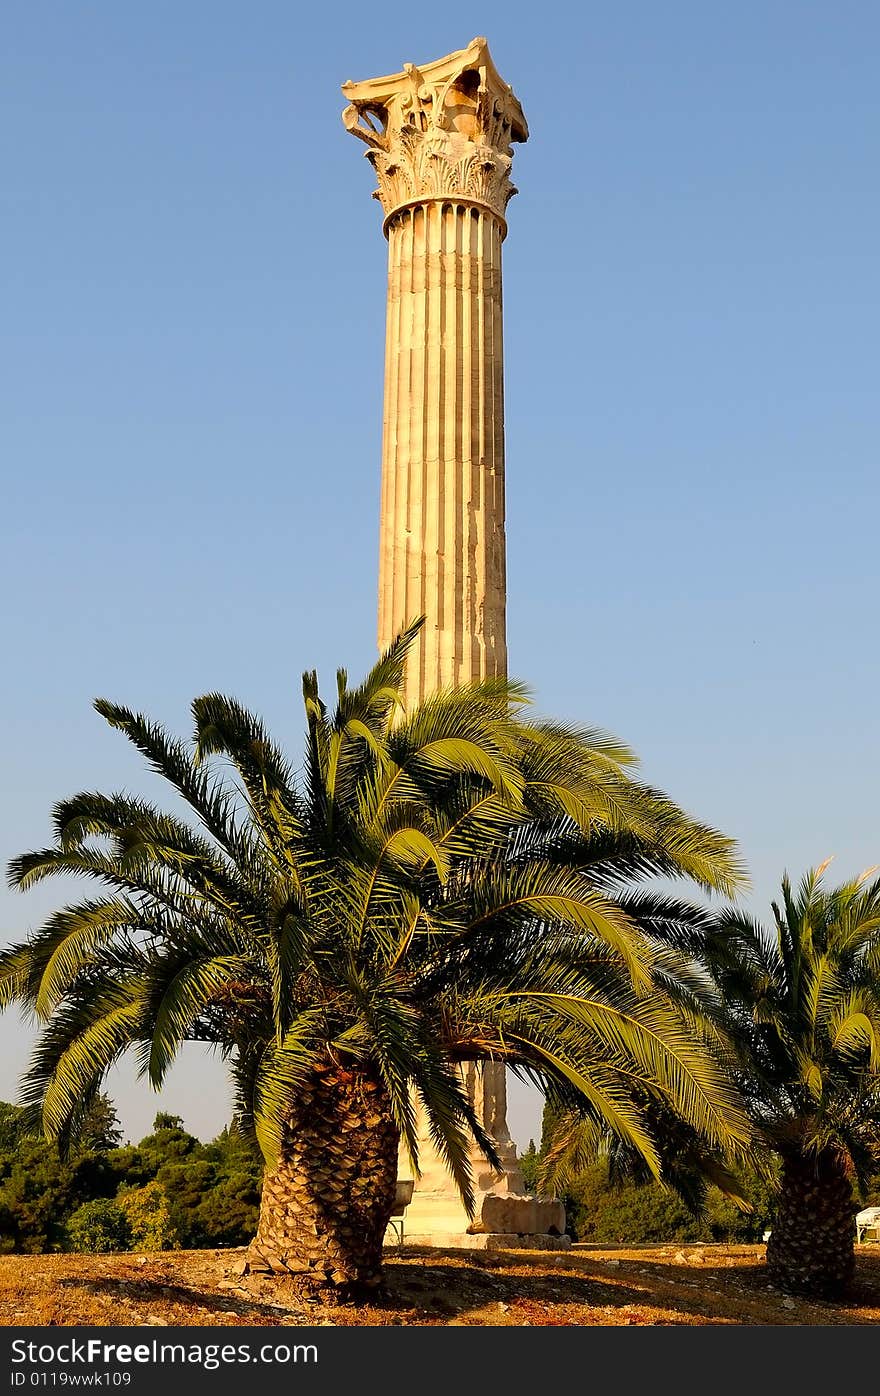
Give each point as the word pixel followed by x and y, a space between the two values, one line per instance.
pixel 506 1216
pixel 504 1220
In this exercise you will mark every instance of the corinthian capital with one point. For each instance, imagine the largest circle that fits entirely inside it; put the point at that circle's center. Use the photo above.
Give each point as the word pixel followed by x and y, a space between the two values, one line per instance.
pixel 444 130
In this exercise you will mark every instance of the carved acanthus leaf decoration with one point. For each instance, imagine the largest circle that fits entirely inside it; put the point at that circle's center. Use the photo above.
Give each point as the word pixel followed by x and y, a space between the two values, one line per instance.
pixel 441 131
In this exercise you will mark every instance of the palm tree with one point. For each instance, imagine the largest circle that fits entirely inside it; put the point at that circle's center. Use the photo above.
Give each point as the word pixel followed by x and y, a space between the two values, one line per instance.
pixel 455 883
pixel 803 1004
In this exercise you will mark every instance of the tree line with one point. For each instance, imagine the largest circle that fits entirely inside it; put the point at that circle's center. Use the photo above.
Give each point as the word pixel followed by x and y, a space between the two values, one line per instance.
pixel 168 1191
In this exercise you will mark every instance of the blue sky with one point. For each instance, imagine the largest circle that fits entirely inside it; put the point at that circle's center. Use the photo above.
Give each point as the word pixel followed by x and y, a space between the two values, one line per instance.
pixel 191 348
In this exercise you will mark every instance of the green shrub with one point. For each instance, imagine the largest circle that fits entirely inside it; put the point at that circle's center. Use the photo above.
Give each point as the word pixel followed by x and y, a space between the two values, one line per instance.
pixel 727 1223
pixel 529 1163
pixel 171 1190
pixel 228 1213
pixel 37 1195
pixel 640 1214
pixel 99 1226
pixel 148 1215
pixel 600 1211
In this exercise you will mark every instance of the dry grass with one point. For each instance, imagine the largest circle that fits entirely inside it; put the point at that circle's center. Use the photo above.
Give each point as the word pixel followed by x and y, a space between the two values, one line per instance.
pixel 587 1286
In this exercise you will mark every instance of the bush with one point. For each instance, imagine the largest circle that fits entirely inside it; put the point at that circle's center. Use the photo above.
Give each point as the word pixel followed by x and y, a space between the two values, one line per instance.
pixel 638 1214
pixel 37 1194
pixel 728 1223
pixel 228 1213
pixel 170 1190
pixel 99 1226
pixel 619 1213
pixel 529 1163
pixel 148 1215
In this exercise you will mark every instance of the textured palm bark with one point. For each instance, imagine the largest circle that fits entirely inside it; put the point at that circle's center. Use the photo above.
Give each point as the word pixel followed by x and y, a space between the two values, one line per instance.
pixel 810 1249
pixel 326 1203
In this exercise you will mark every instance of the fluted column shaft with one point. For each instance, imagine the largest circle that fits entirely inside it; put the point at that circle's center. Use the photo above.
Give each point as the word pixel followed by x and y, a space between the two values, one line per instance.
pixel 439 138
pixel 442 544
pixel 441 549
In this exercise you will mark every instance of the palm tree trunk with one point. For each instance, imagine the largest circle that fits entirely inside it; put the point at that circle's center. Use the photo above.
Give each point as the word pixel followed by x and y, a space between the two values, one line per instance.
pixel 810 1248
pixel 327 1200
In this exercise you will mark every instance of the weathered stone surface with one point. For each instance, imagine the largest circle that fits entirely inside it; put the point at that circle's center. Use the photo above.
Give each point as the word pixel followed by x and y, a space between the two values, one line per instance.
pixel 436 1205
pixel 442 131
pixel 520 1215
pixel 440 138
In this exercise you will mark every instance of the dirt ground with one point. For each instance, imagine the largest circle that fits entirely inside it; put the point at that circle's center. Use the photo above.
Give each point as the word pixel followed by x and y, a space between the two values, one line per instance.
pixel 690 1284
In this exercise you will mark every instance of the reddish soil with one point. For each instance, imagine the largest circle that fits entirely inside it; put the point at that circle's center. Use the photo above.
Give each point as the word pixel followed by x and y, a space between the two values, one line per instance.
pixel 690 1284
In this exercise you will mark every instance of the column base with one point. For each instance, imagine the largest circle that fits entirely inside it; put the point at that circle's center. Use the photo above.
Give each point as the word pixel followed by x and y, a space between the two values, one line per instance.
pixel 436 1215
pixel 436 1205
pixel 502 1206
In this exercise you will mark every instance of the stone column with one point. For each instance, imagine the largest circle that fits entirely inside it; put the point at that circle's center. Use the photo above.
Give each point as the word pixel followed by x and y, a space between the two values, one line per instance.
pixel 441 550
pixel 439 139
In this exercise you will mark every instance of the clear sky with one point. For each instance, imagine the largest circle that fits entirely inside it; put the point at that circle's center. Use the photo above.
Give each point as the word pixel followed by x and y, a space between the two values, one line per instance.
pixel 191 340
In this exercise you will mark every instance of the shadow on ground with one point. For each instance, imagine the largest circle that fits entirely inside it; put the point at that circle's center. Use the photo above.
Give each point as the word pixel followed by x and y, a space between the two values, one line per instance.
pixel 587 1286
pixel 619 1285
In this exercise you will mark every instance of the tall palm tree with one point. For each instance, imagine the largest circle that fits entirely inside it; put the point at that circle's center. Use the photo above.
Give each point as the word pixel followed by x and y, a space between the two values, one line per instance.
pixel 802 1001
pixel 454 883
